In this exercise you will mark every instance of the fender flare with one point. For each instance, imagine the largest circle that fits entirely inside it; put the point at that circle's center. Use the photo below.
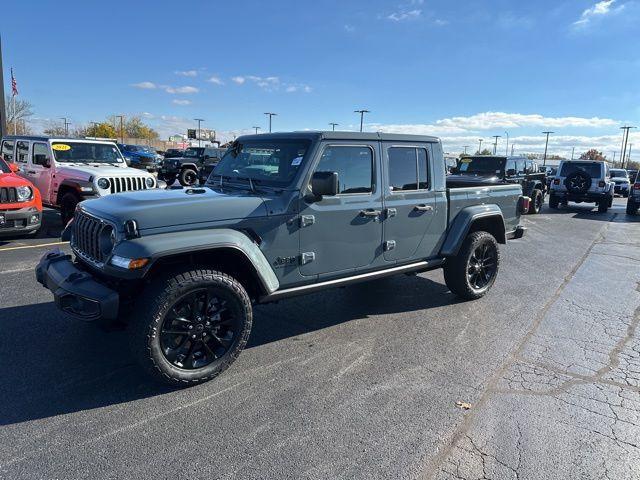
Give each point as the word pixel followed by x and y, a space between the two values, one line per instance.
pixel 165 245
pixel 462 223
pixel 192 166
pixel 77 186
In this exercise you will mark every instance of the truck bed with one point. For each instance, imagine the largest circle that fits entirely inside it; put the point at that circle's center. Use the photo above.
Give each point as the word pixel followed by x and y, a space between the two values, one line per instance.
pixel 504 196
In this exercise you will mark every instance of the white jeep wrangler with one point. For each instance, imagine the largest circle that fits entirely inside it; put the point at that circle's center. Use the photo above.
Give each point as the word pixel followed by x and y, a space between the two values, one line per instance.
pixel 67 171
pixel 582 181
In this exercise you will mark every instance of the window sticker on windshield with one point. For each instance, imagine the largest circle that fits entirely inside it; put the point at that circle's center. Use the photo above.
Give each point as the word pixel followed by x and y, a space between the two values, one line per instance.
pixel 296 161
pixel 61 147
pixel 466 160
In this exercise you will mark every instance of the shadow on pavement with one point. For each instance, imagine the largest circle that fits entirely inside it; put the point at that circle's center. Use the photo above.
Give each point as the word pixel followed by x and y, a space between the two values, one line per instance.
pixel 52 365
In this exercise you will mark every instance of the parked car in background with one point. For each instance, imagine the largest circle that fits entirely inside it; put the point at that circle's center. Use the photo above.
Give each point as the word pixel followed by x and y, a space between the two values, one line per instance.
pixel 621 183
pixel 633 175
pixel 20 203
pixel 483 170
pixel 70 170
pixel 582 181
pixel 550 172
pixel 281 215
pixel 173 153
pixel 633 201
pixel 186 169
pixel 139 156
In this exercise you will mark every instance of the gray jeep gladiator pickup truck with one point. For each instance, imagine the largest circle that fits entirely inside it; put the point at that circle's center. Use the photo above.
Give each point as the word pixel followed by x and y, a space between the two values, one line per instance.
pixel 282 214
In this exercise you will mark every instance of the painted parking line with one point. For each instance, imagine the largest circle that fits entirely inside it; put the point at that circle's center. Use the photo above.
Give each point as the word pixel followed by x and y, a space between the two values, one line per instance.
pixel 33 246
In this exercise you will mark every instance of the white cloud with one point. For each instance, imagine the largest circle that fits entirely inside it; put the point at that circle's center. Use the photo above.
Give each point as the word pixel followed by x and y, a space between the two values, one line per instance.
pixel 349 28
pixel 239 80
pixel 145 85
pixel 292 88
pixel 600 9
pixel 181 102
pixel 185 90
pixel 187 73
pixel 491 120
pixel 215 80
pixel 404 15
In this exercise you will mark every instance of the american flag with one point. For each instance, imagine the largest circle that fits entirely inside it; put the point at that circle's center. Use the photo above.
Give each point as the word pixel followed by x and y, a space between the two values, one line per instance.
pixel 14 84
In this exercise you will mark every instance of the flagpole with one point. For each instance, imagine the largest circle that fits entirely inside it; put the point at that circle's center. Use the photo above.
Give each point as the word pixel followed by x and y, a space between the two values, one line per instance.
pixel 3 111
pixel 15 120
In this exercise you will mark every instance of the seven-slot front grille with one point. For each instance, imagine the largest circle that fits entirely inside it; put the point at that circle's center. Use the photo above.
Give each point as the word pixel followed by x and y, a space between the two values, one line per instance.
pixel 125 184
pixel 8 195
pixel 86 237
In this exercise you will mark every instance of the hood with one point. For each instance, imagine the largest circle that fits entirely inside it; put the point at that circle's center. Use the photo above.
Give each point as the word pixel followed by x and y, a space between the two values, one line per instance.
pixel 13 180
pixel 469 180
pixel 139 154
pixel 83 172
pixel 164 208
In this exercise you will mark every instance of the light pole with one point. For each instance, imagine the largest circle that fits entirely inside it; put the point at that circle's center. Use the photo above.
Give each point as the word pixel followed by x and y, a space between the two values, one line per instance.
pixel 256 129
pixel 507 149
pixel 629 155
pixel 199 120
pixel 495 144
pixel 121 117
pixel 361 112
pixel 614 158
pixel 465 148
pixel 625 139
pixel 573 150
pixel 546 145
pixel 270 114
pixel 512 147
pixel 333 126
pixel 480 146
pixel 66 126
pixel 95 128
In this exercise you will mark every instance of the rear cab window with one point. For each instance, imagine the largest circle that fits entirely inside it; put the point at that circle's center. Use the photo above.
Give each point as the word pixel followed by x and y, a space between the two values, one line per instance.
pixel 408 168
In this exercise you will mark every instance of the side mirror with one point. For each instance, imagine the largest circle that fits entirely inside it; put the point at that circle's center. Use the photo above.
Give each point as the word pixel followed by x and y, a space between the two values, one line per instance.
pixel 14 168
pixel 324 183
pixel 511 172
pixel 42 159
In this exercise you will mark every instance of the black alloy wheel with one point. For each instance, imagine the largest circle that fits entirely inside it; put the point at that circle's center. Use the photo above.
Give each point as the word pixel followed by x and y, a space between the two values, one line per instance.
pixel 481 266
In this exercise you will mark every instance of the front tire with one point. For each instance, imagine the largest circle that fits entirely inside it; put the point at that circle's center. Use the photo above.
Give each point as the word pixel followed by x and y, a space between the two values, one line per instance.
pixel 68 205
pixel 473 271
pixel 603 206
pixel 190 327
pixel 554 202
pixel 188 177
pixel 632 208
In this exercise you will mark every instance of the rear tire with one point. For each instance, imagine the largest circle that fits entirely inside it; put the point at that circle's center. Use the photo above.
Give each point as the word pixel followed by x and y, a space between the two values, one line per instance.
pixel 537 199
pixel 603 206
pixel 463 274
pixel 554 202
pixel 190 327
pixel 632 208
pixel 68 205
pixel 188 177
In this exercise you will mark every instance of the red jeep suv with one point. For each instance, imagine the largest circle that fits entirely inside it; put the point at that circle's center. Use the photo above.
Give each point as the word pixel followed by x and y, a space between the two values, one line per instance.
pixel 20 203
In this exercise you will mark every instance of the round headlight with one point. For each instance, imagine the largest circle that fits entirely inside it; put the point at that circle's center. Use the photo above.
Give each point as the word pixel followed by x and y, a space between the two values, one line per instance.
pixel 24 193
pixel 103 183
pixel 149 182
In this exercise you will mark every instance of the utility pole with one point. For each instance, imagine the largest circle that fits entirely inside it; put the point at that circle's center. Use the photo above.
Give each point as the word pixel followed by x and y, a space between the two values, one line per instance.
pixel 507 149
pixel 256 129
pixel 546 145
pixel 333 126
pixel 512 145
pixel 480 146
pixel 3 111
pixel 573 150
pixel 121 117
pixel 199 120
pixel 465 148
pixel 625 139
pixel 361 112
pixel 614 158
pixel 66 126
pixel 629 155
pixel 270 114
pixel 495 144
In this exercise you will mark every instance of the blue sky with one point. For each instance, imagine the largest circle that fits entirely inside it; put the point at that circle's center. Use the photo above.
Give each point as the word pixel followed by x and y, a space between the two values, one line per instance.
pixel 460 70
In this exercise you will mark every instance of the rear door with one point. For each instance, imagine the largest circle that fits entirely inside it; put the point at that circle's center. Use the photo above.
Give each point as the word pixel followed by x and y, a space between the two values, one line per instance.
pixel 343 232
pixel 21 159
pixel 409 200
pixel 39 159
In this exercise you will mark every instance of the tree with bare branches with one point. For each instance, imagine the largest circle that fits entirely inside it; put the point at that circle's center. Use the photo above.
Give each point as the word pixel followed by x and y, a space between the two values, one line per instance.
pixel 18 114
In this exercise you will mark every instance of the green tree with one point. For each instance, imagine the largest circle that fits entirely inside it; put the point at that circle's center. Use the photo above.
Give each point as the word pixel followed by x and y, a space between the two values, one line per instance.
pixel 134 127
pixel 592 154
pixel 486 151
pixel 101 130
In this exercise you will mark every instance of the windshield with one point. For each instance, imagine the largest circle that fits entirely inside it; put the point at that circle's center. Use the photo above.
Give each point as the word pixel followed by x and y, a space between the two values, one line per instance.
pixel 481 165
pixel 592 169
pixel 4 168
pixel 193 152
pixel 273 163
pixel 618 173
pixel 84 152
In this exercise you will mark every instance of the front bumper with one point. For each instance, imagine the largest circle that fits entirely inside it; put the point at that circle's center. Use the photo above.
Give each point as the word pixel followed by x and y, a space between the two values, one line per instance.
pixel 75 291
pixel 623 188
pixel 20 221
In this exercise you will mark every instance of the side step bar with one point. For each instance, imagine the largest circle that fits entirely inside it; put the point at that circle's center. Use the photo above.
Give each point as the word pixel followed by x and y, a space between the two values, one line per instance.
pixel 421 266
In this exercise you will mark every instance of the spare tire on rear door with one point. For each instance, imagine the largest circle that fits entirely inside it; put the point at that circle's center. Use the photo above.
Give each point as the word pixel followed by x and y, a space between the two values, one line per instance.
pixel 578 182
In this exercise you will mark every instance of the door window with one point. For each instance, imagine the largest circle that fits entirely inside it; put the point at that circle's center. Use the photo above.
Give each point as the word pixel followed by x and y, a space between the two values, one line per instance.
pixel 520 166
pixel 40 153
pixel 408 168
pixel 354 165
pixel 22 151
pixel 7 150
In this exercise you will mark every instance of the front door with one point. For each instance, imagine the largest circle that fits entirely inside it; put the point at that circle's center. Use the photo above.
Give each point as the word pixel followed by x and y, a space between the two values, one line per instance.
pixel 343 232
pixel 409 200
pixel 40 166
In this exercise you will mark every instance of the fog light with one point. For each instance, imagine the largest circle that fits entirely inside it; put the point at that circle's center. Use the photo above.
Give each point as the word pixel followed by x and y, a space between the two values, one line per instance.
pixel 34 219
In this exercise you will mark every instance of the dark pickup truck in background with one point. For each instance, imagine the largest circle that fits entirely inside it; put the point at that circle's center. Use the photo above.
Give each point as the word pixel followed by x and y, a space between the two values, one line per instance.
pixel 486 170
pixel 187 168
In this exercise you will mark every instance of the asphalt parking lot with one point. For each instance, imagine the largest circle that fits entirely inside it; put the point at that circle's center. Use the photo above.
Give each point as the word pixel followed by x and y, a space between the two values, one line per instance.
pixel 360 382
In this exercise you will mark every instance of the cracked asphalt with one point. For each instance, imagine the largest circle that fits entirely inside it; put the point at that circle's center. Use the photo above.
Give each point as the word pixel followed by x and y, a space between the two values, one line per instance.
pixel 360 382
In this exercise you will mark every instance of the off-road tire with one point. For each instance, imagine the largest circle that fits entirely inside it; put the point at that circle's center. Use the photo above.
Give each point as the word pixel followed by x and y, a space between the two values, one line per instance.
pixel 188 177
pixel 68 204
pixel 456 268
pixel 603 206
pixel 632 208
pixel 554 202
pixel 537 199
pixel 169 180
pixel 149 311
